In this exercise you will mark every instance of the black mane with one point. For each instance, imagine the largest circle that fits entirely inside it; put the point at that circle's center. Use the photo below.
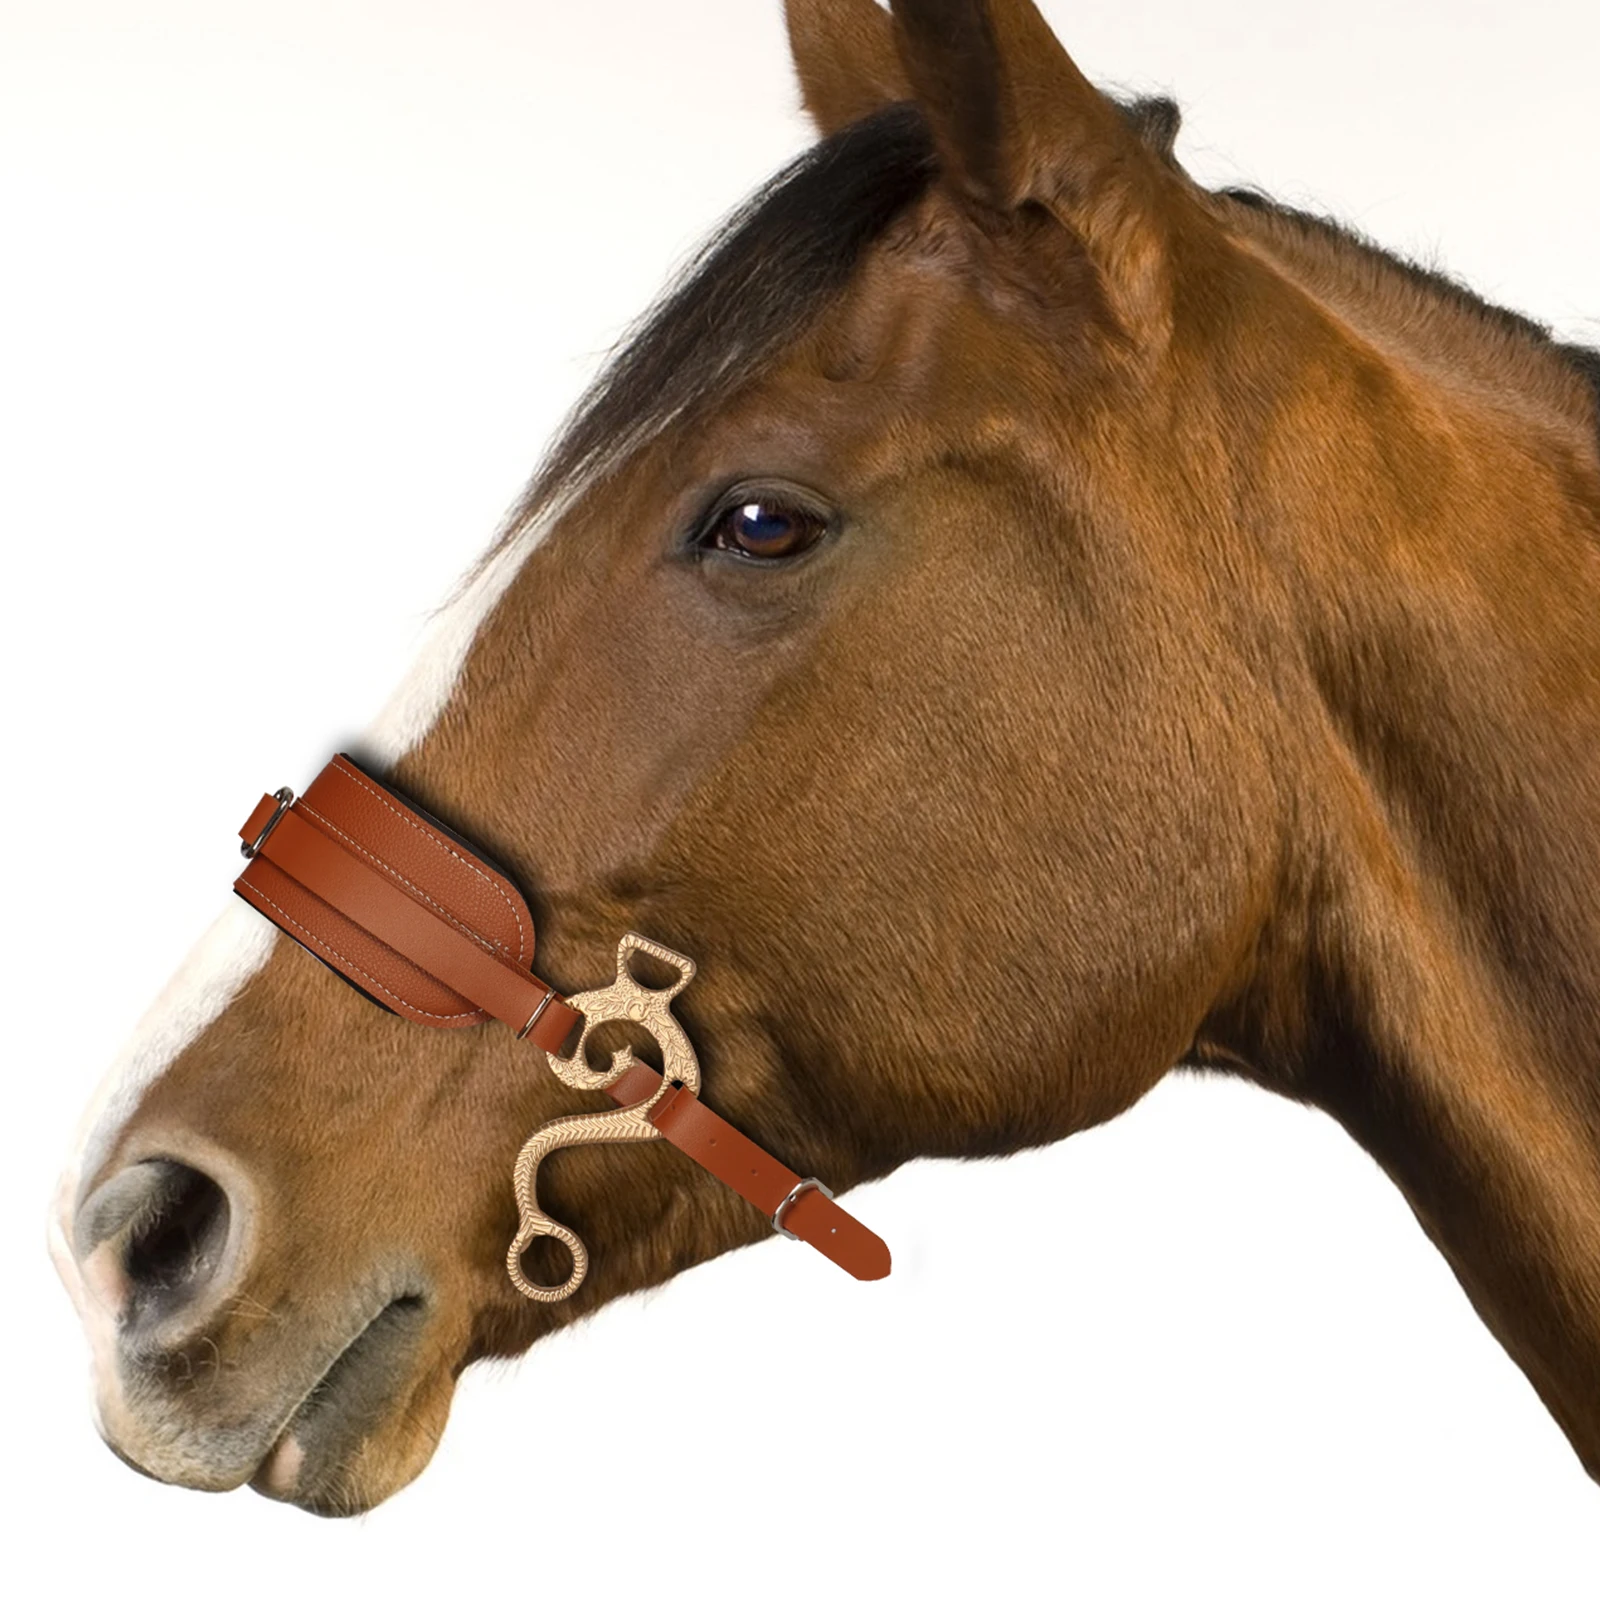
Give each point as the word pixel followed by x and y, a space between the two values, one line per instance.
pixel 1580 358
pixel 749 291
pixel 769 269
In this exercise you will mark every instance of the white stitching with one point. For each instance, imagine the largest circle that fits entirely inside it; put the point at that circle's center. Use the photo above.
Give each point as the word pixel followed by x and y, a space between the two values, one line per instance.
pixel 494 947
pixel 438 1016
pixel 377 794
pixel 354 774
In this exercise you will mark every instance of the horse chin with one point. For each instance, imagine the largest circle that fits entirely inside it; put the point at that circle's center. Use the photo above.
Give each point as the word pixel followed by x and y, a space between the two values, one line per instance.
pixel 358 1423
pixel 369 1424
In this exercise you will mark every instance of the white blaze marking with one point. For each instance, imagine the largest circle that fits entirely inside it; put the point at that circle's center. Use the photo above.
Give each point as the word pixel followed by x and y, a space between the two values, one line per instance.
pixel 426 689
pixel 241 939
pixel 231 950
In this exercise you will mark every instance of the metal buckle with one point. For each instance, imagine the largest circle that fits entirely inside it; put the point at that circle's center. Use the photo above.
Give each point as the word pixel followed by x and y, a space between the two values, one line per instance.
pixel 250 849
pixel 790 1198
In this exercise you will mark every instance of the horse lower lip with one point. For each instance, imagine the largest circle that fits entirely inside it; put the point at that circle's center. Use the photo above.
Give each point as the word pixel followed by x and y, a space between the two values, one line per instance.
pixel 280 1468
pixel 338 1409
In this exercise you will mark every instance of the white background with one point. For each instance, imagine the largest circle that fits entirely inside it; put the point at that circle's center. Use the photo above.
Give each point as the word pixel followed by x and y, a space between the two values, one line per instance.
pixel 289 297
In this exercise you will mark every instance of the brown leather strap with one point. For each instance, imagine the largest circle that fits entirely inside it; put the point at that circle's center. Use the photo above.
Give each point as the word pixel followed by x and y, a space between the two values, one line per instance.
pixel 686 1121
pixel 402 908
pixel 419 856
pixel 345 882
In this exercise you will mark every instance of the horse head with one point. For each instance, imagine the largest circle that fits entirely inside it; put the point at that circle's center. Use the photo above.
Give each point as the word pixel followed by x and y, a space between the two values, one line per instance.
pixel 1022 622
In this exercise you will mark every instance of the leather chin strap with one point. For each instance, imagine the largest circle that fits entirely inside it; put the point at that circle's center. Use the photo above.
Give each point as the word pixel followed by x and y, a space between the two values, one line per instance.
pixel 412 916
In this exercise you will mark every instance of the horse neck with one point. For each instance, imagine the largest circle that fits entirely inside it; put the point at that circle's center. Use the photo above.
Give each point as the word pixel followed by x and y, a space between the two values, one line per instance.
pixel 1432 978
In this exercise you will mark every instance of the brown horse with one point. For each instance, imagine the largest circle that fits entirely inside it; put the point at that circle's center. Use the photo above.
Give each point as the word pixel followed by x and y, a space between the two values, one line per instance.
pixel 1022 622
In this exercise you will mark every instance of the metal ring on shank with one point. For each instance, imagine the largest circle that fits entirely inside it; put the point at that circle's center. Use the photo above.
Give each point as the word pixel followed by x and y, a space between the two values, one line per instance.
pixel 625 999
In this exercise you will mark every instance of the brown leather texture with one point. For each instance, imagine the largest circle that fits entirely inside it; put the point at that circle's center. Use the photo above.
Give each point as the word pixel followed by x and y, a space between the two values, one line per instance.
pixel 349 858
pixel 686 1121
pixel 388 899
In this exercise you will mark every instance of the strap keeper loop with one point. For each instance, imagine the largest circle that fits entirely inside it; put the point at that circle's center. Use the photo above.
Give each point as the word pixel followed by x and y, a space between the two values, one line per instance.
pixel 538 1011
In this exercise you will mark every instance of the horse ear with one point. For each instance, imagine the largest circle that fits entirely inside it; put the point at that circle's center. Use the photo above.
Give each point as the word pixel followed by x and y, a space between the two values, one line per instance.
pixel 1016 123
pixel 844 52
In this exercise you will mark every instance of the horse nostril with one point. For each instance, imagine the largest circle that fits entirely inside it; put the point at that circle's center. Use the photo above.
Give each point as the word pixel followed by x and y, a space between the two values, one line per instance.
pixel 152 1238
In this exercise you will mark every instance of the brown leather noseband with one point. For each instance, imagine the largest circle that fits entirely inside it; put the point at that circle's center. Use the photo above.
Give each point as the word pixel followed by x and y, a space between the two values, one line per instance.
pixel 414 917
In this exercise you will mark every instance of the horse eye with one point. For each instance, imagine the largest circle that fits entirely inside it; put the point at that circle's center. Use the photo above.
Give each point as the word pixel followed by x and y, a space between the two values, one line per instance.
pixel 764 530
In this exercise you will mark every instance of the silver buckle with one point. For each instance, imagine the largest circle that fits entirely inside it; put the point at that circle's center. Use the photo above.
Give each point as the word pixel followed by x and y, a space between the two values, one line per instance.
pixel 250 849
pixel 790 1198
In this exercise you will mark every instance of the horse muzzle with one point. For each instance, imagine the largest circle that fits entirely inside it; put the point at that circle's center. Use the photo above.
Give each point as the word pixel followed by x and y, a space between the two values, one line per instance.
pixel 217 1366
pixel 200 1382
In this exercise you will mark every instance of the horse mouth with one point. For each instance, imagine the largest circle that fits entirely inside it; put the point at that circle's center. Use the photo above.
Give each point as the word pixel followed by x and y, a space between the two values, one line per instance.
pixel 306 1464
